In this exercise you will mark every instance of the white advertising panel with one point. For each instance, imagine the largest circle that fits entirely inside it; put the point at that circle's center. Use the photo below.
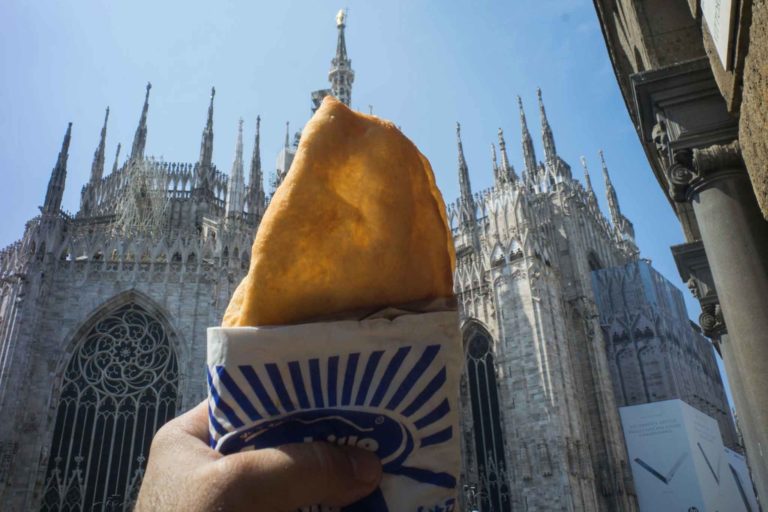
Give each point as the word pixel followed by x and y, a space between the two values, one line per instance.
pixel 718 15
pixel 678 459
pixel 737 469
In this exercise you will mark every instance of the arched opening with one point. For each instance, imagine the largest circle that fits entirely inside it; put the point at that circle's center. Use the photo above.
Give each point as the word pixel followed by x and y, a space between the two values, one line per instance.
pixel 119 387
pixel 493 491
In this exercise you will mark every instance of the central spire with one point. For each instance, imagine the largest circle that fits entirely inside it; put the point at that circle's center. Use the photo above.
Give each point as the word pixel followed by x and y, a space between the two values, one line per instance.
pixel 140 138
pixel 341 74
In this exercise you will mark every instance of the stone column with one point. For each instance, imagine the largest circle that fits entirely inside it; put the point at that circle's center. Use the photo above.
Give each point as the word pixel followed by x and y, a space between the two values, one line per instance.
pixel 735 238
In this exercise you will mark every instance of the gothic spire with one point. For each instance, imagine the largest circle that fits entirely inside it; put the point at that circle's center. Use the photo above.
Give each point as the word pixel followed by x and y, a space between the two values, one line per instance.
pixel 236 188
pixel 546 132
pixel 341 76
pixel 494 162
pixel 529 155
pixel 610 192
pixel 97 167
pixel 205 163
pixel 507 172
pixel 467 201
pixel 55 192
pixel 117 156
pixel 619 221
pixel 140 138
pixel 588 182
pixel 255 192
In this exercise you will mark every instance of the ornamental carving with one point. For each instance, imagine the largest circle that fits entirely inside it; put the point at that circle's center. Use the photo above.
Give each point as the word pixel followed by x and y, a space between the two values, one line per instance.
pixel 120 386
pixel 711 320
pixel 692 168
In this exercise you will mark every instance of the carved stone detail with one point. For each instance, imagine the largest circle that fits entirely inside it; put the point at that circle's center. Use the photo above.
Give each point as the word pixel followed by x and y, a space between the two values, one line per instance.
pixel 711 320
pixel 692 168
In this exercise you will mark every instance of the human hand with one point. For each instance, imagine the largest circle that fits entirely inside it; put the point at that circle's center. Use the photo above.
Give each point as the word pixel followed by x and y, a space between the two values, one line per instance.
pixel 184 473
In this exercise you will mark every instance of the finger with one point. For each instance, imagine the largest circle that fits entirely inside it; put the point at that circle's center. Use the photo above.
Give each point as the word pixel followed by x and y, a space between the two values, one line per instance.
pixel 195 421
pixel 299 475
pixel 186 434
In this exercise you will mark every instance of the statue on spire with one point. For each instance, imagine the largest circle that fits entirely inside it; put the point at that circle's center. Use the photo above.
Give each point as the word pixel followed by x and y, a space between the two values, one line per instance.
pixel 341 76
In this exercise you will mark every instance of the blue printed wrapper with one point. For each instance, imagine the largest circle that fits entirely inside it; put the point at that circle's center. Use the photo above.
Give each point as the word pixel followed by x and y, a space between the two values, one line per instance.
pixel 389 385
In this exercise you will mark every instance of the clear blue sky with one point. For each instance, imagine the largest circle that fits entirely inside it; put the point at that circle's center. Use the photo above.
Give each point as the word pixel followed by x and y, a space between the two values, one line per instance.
pixel 422 64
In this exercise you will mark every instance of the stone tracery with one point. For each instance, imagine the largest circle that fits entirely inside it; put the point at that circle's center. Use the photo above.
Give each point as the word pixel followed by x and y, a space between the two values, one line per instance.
pixel 119 387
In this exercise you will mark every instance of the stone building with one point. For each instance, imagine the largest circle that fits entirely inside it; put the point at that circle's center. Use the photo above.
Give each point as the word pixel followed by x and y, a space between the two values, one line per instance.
pixel 653 351
pixel 103 312
pixel 540 425
pixel 694 76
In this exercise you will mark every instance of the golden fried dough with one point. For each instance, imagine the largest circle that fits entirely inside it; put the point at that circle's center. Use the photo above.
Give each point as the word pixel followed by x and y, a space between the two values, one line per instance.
pixel 358 224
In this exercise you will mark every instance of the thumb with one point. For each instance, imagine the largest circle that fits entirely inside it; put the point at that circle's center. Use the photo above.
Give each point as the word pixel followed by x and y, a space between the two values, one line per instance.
pixel 299 475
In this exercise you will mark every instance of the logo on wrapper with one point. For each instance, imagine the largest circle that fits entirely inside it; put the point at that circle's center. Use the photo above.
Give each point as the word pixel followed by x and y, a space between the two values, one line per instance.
pixel 388 402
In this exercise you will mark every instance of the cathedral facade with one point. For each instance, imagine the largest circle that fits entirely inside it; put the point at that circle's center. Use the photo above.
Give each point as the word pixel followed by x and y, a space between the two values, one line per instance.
pixel 540 425
pixel 104 316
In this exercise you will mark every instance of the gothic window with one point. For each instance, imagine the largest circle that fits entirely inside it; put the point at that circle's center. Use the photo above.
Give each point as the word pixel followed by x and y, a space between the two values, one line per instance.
pixel 119 387
pixel 493 484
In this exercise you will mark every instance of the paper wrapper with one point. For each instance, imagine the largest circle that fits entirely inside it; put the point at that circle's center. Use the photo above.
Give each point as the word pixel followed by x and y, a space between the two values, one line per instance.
pixel 388 384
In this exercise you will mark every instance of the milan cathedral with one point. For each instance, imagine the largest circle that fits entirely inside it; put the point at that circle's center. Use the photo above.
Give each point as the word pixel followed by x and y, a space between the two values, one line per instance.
pixel 103 317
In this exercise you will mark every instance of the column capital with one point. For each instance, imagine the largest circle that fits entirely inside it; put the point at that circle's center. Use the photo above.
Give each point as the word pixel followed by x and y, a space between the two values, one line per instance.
pixel 694 168
pixel 684 124
pixel 711 321
pixel 693 266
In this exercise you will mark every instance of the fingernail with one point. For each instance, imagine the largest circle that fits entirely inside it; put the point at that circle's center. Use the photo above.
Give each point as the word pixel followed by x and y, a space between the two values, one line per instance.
pixel 365 465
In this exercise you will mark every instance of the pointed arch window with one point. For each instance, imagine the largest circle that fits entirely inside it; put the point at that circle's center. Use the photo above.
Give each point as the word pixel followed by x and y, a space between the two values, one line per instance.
pixel 486 419
pixel 120 386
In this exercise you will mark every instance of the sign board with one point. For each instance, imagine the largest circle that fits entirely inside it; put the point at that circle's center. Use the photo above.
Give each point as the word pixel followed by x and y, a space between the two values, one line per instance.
pixel 679 462
pixel 719 17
